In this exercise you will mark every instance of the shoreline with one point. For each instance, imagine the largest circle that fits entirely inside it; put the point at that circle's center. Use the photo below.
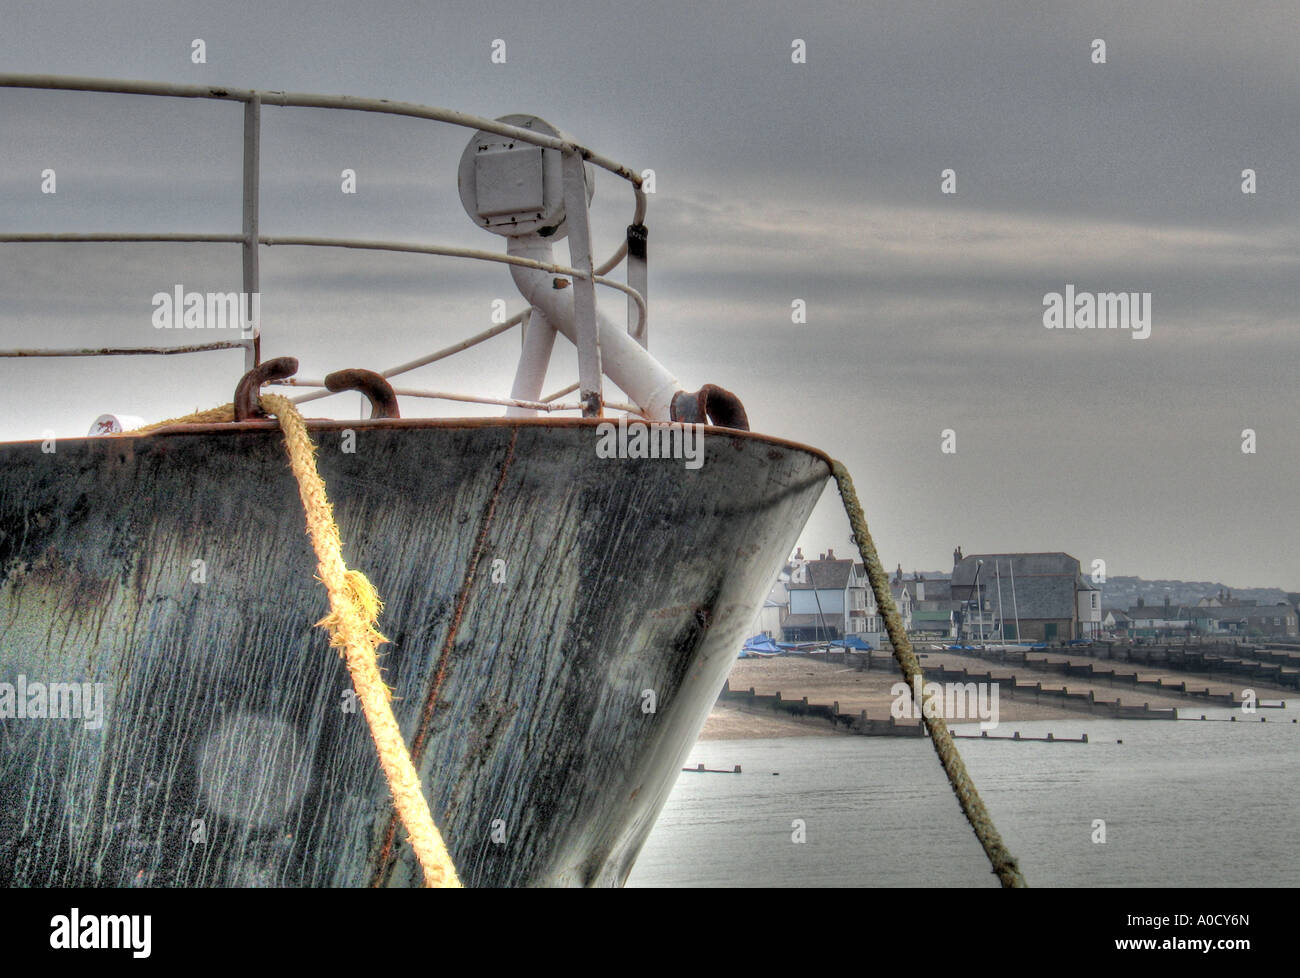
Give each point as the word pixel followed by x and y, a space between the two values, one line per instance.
pixel 870 690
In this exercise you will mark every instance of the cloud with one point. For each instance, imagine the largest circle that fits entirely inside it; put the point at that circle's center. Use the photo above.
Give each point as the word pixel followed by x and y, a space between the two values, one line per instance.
pixel 776 182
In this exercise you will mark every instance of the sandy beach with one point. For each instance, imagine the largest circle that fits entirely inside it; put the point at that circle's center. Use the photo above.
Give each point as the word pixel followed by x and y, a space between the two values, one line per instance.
pixel 855 690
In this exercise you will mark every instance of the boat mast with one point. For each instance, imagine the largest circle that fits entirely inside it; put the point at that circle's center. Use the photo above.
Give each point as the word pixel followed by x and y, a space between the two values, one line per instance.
pixel 821 615
pixel 1014 610
pixel 997 574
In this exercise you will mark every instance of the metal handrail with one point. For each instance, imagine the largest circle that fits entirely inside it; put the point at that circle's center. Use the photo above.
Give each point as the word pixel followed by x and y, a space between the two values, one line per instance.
pixel 310 101
pixel 408 247
pixel 251 239
pixel 449 252
pixel 125 351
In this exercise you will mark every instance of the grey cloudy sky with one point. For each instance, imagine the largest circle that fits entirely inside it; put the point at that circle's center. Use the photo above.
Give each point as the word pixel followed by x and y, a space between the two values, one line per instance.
pixel 775 181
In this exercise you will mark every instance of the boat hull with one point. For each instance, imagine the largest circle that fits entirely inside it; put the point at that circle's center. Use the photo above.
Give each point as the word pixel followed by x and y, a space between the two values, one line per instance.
pixel 560 627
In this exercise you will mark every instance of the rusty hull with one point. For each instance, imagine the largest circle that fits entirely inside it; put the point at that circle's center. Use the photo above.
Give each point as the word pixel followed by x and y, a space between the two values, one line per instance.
pixel 533 594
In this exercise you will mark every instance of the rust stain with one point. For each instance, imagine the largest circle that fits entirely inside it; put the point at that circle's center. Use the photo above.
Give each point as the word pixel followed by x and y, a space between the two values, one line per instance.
pixel 440 674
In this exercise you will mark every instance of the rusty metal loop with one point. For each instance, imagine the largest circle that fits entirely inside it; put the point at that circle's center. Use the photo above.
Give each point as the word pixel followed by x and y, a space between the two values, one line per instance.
pixel 378 391
pixel 710 404
pixel 250 385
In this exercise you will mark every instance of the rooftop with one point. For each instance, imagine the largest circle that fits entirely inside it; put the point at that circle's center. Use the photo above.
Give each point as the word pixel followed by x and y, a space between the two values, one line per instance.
pixel 825 575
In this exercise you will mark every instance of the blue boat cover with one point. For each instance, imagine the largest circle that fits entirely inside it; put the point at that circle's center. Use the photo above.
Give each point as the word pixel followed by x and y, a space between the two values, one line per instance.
pixel 759 643
pixel 852 642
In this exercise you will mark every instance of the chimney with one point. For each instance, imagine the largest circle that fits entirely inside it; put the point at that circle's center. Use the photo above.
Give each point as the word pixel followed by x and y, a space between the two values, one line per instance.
pixel 821 557
pixel 830 554
pixel 956 556
pixel 798 553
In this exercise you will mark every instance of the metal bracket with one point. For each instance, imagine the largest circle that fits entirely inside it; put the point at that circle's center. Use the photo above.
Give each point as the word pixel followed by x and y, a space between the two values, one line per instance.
pixel 247 407
pixel 378 391
pixel 710 405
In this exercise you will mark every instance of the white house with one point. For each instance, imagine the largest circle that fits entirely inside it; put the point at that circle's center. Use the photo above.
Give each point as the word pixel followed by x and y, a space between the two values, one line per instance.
pixel 904 594
pixel 1089 598
pixel 830 599
pixel 1116 620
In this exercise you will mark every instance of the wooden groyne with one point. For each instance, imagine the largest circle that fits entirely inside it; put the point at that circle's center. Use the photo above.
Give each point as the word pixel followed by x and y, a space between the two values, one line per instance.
pixel 860 723
pixel 1276 664
pixel 1086 700
pixel 1232 719
pixel 1049 739
pixel 1273 665
pixel 1249 662
pixel 856 723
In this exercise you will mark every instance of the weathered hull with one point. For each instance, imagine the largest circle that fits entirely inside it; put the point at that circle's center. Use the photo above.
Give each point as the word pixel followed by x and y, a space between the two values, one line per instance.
pixel 533 594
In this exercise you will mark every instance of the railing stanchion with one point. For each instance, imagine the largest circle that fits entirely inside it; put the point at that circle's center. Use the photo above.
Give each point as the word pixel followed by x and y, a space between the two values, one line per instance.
pixel 252 155
pixel 584 289
pixel 637 278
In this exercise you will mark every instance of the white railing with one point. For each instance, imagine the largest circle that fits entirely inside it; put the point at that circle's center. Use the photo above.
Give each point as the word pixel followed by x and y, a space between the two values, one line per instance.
pixel 586 274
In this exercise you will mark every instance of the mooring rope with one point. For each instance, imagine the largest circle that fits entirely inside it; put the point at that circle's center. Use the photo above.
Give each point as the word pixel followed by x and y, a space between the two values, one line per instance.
pixel 1004 863
pixel 216 415
pixel 354 610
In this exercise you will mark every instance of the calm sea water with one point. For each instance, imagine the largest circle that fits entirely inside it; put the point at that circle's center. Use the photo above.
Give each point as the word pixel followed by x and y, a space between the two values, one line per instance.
pixel 1185 804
